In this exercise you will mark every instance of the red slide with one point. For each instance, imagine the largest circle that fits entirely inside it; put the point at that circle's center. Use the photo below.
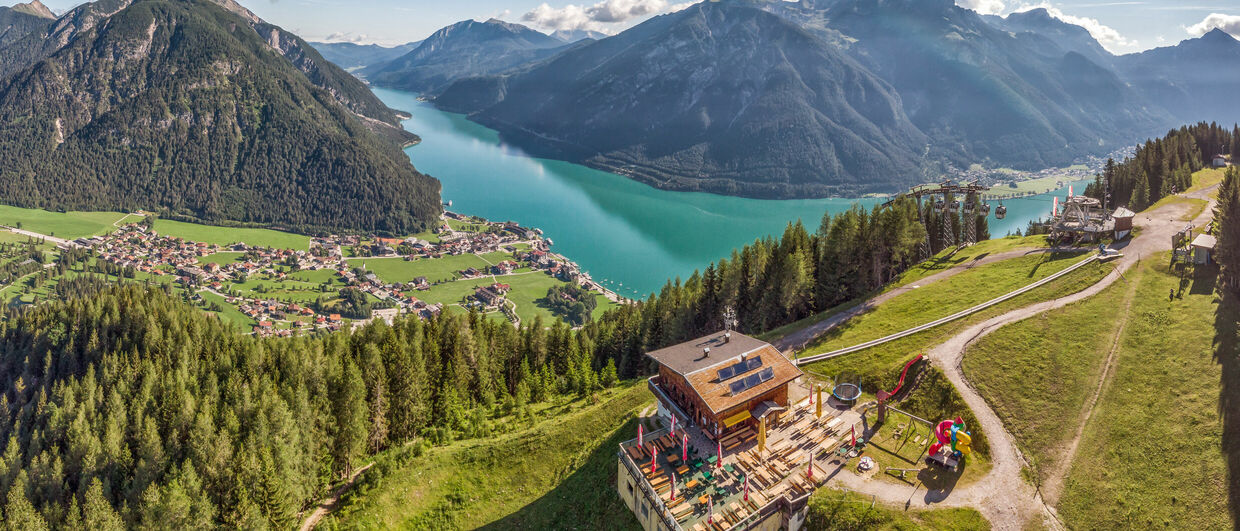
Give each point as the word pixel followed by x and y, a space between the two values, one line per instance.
pixel 884 395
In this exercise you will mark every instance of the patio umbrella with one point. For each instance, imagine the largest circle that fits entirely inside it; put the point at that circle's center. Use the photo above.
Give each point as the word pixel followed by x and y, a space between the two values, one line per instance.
pixel 654 455
pixel 746 487
pixel 818 412
pixel 641 441
pixel 684 447
pixel 673 485
pixel 854 435
pixel 673 424
pixel 810 473
pixel 719 452
pixel 710 518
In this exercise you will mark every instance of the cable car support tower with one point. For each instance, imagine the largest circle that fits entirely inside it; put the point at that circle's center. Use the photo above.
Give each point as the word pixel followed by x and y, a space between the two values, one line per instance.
pixel 974 206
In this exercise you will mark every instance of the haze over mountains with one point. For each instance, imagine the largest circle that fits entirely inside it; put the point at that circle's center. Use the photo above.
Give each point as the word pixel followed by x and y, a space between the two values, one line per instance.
pixel 464 49
pixel 781 99
pixel 202 110
pixel 349 55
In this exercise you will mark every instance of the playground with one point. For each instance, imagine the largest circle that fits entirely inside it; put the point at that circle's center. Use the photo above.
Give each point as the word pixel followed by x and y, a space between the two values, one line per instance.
pixel 902 447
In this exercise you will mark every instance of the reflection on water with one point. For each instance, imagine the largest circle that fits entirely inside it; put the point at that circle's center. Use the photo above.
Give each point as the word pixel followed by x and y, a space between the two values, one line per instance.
pixel 626 234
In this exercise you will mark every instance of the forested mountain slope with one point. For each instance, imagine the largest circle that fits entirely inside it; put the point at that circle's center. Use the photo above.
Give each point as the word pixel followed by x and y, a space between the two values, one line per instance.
pixel 720 97
pixel 22 19
pixel 181 105
pixel 126 408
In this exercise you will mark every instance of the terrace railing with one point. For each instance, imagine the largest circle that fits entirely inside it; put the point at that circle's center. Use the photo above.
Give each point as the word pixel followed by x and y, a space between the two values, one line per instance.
pixel 656 501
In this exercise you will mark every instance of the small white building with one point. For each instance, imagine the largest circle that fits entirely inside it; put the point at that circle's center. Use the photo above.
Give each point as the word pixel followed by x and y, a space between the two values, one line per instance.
pixel 1203 249
pixel 1220 161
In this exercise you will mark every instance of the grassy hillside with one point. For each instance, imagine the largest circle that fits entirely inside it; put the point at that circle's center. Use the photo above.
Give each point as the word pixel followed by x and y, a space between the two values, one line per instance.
pixel 945 297
pixel 1162 418
pixel 560 470
pixel 1037 374
pixel 59 224
pixel 228 235
pixel 842 510
pixel 1157 417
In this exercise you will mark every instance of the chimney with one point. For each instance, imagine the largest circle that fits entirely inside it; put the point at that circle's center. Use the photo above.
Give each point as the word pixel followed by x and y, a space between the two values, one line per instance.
pixel 727 336
pixel 706 352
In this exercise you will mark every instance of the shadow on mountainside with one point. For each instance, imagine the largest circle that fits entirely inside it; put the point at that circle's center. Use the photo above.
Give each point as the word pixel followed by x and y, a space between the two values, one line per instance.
pixel 585 499
pixel 1227 355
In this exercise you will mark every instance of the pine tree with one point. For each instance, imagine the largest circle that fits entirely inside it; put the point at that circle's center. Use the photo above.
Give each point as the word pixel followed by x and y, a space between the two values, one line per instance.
pixel 19 513
pixel 270 496
pixel 1140 193
pixel 349 411
pixel 1227 223
pixel 97 513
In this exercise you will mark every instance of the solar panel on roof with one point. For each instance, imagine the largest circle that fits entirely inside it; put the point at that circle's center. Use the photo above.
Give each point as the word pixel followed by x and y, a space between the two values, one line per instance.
pixel 766 374
pixel 740 367
pixel 753 363
pixel 752 380
pixel 738 387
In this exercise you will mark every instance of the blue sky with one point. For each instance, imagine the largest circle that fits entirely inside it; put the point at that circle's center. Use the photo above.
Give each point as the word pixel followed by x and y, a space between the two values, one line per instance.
pixel 1121 26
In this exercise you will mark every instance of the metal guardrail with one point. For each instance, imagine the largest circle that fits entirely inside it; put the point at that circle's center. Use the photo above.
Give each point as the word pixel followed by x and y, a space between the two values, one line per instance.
pixel 948 319
pixel 656 501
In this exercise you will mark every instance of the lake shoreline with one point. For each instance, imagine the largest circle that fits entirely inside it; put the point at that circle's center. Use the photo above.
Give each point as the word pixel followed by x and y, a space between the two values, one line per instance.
pixel 631 237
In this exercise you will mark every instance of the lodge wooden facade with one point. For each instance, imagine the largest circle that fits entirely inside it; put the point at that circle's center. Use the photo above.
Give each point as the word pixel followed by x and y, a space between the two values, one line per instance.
pixel 690 376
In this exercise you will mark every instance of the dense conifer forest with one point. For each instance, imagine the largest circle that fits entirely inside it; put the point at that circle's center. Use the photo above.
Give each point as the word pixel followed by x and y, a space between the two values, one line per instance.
pixel 125 407
pixel 1164 166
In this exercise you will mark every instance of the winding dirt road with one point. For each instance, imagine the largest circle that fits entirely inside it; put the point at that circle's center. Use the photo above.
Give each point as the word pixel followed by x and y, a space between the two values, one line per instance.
pixel 1003 496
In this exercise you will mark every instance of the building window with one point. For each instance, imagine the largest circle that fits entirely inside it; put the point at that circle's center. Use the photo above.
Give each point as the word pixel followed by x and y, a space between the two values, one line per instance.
pixel 630 487
pixel 645 511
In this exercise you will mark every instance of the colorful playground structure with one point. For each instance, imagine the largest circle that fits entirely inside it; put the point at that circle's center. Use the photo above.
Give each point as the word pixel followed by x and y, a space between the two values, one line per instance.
pixel 952 434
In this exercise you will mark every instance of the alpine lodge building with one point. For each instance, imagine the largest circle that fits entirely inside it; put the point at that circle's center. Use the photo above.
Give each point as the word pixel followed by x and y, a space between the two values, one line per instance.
pixel 739 440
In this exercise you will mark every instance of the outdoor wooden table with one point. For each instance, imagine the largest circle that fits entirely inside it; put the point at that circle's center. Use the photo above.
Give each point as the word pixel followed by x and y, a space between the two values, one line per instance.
pixel 682 511
pixel 635 452
pixel 702 500
pixel 682 470
pixel 692 483
pixel 712 459
pixel 736 508
pixel 672 459
pixel 699 527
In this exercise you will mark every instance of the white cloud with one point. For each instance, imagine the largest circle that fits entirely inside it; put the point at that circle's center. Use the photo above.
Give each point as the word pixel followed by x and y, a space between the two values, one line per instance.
pixel 1228 23
pixel 1108 37
pixel 598 17
pixel 341 36
pixel 985 7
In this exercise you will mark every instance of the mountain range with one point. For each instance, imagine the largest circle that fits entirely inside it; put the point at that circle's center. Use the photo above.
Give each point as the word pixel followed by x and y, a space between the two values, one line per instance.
pixel 349 55
pixel 771 98
pixel 200 109
pixel 464 49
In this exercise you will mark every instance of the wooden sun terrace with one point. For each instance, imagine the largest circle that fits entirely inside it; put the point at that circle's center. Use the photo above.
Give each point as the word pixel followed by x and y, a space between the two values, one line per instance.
pixel 778 474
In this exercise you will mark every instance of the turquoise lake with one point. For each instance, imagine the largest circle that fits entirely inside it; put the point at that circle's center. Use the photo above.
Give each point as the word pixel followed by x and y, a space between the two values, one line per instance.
pixel 627 235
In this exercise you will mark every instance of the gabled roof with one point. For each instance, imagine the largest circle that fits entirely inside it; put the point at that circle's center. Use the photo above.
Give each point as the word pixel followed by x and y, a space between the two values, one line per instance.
pixel 701 369
pixel 690 356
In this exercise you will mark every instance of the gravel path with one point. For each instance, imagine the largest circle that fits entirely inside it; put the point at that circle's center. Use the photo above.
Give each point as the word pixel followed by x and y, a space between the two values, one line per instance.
pixel 1003 495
